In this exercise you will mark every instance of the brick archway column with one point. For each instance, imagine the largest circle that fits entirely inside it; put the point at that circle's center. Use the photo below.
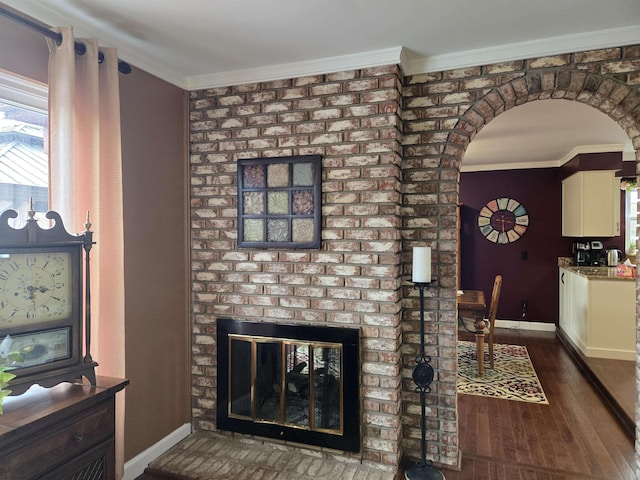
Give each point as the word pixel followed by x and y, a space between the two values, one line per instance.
pixel 442 113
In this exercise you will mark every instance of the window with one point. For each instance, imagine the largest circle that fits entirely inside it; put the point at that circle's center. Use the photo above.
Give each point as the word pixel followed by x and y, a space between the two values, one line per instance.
pixel 631 209
pixel 24 164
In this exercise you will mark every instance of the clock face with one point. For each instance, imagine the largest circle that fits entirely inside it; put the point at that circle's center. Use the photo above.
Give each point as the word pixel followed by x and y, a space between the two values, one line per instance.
pixel 35 287
pixel 503 220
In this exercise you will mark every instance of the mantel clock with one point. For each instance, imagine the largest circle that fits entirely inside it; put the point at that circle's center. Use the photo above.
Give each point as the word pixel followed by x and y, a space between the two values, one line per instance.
pixel 44 319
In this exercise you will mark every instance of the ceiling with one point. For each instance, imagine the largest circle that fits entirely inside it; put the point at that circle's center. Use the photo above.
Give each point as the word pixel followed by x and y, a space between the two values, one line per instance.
pixel 198 44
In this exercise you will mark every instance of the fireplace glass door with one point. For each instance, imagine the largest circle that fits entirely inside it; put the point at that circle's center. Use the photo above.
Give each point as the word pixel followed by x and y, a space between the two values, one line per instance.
pixel 287 382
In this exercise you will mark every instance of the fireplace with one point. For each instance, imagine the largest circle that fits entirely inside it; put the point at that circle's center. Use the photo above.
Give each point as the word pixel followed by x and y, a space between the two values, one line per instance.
pixel 296 383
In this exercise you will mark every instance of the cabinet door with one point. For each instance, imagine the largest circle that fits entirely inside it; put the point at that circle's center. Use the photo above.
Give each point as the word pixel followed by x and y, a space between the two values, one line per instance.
pixel 599 200
pixel 562 298
pixel 572 206
pixel 579 310
pixel 96 464
pixel 591 204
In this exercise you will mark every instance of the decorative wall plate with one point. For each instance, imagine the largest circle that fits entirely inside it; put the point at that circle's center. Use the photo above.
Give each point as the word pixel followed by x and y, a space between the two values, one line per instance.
pixel 503 220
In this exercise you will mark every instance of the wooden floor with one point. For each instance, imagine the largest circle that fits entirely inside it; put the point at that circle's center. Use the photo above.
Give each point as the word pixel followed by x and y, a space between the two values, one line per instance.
pixel 617 381
pixel 575 437
pixel 618 377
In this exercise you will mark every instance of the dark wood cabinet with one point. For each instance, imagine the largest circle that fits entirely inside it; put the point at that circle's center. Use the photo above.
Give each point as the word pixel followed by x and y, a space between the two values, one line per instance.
pixel 63 432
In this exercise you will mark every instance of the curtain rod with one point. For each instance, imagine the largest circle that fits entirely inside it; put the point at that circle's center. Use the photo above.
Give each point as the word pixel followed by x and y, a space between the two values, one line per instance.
pixel 80 48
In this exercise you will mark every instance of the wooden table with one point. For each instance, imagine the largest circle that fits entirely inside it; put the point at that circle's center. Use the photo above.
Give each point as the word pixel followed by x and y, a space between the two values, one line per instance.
pixel 471 303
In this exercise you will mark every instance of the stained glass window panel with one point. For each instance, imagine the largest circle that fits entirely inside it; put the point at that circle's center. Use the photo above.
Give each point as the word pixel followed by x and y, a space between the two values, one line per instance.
pixel 303 174
pixel 277 203
pixel 278 175
pixel 303 230
pixel 253 203
pixel 302 202
pixel 254 229
pixel 277 230
pixel 254 176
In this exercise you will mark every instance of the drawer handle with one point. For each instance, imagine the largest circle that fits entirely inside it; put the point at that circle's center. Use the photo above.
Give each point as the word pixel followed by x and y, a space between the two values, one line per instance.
pixel 78 437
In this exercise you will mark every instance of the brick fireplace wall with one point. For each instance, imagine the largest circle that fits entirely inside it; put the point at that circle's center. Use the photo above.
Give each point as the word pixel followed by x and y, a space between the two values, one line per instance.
pixel 392 148
pixel 352 119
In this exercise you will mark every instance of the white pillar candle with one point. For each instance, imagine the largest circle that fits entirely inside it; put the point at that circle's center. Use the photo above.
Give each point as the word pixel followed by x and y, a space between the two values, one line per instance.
pixel 421 265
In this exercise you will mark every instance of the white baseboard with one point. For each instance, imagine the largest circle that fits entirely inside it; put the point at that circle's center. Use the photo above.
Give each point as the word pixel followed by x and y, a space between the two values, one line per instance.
pixel 520 325
pixel 135 467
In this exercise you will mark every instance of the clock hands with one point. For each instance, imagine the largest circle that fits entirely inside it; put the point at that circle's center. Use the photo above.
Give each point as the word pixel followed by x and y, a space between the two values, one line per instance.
pixel 505 223
pixel 31 290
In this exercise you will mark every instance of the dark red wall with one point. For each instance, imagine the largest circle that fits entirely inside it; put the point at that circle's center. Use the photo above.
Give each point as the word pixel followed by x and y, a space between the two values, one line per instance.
pixel 534 278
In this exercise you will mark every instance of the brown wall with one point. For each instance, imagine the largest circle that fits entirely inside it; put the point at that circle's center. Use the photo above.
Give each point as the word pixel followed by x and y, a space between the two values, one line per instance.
pixel 155 232
pixel 154 169
pixel 23 51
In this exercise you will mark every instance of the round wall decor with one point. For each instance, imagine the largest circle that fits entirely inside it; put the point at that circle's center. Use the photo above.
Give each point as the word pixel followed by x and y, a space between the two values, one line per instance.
pixel 503 220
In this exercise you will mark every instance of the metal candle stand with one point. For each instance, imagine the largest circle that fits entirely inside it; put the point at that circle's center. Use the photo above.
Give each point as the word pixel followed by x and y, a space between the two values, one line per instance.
pixel 423 376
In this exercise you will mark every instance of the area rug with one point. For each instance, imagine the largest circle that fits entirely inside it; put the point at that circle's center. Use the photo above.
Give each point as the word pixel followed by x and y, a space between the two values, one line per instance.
pixel 513 377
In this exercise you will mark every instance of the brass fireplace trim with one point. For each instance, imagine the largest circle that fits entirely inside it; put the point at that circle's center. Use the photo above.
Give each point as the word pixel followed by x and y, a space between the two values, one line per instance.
pixel 311 346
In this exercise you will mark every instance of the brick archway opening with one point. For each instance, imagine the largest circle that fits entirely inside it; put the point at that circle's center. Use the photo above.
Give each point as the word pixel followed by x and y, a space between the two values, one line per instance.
pixel 620 102
pixel 442 113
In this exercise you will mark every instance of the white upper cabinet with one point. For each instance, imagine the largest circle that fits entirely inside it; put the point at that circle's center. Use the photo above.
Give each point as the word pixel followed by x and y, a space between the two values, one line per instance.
pixel 591 204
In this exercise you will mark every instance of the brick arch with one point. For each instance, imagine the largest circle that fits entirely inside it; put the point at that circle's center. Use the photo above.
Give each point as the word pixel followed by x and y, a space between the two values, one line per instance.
pixel 442 113
pixel 612 97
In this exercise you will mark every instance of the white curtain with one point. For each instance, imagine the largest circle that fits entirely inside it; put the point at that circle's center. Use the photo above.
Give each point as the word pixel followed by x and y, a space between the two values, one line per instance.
pixel 86 176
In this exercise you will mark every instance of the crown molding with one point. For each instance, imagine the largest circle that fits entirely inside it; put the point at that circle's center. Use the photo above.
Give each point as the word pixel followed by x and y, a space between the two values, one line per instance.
pixel 410 63
pixel 581 149
pixel 375 58
pixel 517 51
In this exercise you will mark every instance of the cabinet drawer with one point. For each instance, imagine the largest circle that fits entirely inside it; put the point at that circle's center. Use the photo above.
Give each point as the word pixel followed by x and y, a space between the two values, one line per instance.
pixel 61 443
pixel 95 464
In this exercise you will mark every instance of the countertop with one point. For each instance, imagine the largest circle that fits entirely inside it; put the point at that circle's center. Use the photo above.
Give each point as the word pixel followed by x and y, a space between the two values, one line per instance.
pixel 592 273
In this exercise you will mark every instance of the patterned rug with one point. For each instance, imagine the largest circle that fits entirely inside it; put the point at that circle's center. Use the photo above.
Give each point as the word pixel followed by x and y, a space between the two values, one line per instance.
pixel 513 377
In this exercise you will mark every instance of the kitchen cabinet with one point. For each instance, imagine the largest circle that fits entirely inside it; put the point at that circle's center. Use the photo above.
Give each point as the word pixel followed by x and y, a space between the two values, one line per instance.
pixel 591 204
pixel 66 431
pixel 572 304
pixel 597 313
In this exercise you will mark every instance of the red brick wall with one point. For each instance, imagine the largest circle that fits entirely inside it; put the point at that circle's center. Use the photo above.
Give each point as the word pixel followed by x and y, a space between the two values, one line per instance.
pixel 352 119
pixel 379 200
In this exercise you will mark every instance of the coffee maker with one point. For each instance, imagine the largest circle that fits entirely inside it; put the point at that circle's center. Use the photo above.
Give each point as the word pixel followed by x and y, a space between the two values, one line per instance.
pixel 588 254
pixel 581 253
pixel 598 256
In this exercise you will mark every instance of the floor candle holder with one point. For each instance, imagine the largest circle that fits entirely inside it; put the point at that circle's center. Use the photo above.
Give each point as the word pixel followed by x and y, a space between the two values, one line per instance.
pixel 423 376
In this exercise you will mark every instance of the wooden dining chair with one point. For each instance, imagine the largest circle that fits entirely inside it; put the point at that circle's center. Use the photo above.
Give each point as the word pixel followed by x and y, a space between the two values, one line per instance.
pixel 468 324
pixel 493 311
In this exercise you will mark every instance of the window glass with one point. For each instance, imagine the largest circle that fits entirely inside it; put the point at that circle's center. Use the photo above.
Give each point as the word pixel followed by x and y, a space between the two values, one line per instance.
pixel 631 220
pixel 24 165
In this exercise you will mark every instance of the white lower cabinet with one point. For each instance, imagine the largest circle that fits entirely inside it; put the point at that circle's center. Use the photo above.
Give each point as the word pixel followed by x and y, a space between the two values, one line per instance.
pixel 598 315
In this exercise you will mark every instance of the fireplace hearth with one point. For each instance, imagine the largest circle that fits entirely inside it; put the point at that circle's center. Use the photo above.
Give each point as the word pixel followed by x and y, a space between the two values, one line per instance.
pixel 295 383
